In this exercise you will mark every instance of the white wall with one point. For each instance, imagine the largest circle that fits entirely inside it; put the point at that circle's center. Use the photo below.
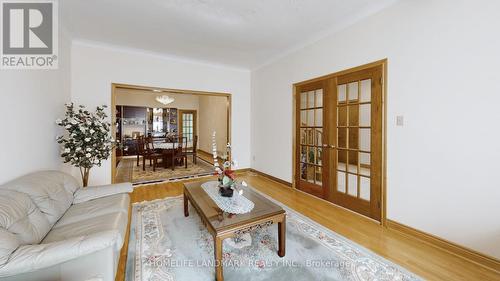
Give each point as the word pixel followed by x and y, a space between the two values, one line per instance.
pixel 443 77
pixel 94 68
pixel 213 117
pixel 30 102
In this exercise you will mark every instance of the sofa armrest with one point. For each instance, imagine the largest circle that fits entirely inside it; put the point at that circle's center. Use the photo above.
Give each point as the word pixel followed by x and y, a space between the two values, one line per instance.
pixel 94 192
pixel 31 258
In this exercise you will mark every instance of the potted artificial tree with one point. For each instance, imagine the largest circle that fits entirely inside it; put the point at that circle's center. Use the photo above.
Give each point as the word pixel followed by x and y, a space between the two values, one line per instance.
pixel 87 141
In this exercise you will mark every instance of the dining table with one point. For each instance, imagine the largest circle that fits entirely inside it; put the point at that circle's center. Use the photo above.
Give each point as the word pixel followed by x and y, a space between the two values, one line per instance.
pixel 168 149
pixel 169 145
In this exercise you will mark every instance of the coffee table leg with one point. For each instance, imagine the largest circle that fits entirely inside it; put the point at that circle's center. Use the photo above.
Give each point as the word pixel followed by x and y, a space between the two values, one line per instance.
pixel 282 236
pixel 186 209
pixel 218 258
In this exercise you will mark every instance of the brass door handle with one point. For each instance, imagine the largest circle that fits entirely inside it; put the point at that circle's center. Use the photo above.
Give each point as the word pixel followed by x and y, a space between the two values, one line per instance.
pixel 328 146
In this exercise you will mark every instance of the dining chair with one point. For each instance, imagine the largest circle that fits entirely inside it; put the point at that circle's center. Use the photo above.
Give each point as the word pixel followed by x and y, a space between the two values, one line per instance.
pixel 140 151
pixel 180 153
pixel 149 153
pixel 193 150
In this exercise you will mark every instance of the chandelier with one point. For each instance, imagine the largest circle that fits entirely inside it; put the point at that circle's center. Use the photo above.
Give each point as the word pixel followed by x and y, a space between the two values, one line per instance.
pixel 164 99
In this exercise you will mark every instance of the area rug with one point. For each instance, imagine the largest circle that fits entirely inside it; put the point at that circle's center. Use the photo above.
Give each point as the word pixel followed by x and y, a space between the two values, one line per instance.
pixel 201 168
pixel 164 245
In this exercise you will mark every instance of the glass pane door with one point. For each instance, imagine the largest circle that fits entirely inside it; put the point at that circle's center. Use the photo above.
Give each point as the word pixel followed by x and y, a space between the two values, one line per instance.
pixel 339 142
pixel 353 138
pixel 188 126
pixel 310 172
pixel 357 161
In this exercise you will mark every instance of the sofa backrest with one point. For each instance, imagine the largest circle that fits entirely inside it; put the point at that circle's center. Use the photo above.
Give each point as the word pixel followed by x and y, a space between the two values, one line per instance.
pixel 30 206
pixel 21 222
pixel 51 191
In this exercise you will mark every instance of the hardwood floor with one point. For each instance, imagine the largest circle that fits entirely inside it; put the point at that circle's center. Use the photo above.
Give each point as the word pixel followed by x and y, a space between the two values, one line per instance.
pixel 125 170
pixel 425 260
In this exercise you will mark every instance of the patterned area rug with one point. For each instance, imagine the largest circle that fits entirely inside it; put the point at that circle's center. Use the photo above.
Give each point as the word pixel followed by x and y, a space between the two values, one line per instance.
pixel 201 168
pixel 164 245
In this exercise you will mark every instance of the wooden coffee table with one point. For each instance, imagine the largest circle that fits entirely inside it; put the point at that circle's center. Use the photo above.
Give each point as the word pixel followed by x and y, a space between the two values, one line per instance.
pixel 223 225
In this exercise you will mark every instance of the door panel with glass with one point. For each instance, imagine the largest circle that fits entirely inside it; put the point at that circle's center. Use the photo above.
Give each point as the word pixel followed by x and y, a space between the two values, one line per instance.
pixel 358 142
pixel 187 124
pixel 311 165
pixel 351 140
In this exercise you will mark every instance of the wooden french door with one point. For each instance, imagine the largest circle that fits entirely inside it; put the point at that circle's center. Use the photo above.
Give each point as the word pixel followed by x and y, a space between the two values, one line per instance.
pixel 350 147
pixel 312 164
pixel 187 124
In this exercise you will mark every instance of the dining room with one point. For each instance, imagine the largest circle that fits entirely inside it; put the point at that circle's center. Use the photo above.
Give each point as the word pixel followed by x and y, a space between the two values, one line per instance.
pixel 166 134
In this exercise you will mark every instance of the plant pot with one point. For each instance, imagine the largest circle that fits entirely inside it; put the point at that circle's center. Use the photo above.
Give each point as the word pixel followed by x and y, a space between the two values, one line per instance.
pixel 225 191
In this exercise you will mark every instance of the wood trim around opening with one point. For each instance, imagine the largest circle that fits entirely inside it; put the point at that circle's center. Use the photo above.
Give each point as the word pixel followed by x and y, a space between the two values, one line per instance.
pixel 343 72
pixel 450 247
pixel 113 131
pixel 115 86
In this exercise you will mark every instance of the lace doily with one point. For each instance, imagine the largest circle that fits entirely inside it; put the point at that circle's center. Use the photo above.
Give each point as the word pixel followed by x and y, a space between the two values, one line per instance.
pixel 238 204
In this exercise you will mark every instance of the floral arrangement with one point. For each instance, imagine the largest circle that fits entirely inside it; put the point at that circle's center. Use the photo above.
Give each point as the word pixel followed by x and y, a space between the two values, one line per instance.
pixel 87 141
pixel 226 176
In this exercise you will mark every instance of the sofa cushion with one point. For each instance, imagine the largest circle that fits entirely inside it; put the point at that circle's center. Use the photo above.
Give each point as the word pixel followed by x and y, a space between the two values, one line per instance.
pixel 95 192
pixel 8 244
pixel 51 191
pixel 71 259
pixel 110 222
pixel 21 217
pixel 94 208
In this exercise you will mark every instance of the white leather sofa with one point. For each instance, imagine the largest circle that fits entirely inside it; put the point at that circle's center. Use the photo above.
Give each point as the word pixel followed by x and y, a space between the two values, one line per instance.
pixel 52 229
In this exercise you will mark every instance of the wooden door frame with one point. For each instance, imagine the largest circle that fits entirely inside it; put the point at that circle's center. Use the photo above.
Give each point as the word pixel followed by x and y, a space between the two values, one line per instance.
pixel 115 86
pixel 195 119
pixel 380 63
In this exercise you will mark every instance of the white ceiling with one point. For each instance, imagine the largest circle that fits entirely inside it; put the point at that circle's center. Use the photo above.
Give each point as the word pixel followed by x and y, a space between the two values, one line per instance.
pixel 238 33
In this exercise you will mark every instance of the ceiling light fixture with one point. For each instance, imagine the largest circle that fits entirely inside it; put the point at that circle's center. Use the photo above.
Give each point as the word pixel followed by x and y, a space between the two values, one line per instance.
pixel 165 99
